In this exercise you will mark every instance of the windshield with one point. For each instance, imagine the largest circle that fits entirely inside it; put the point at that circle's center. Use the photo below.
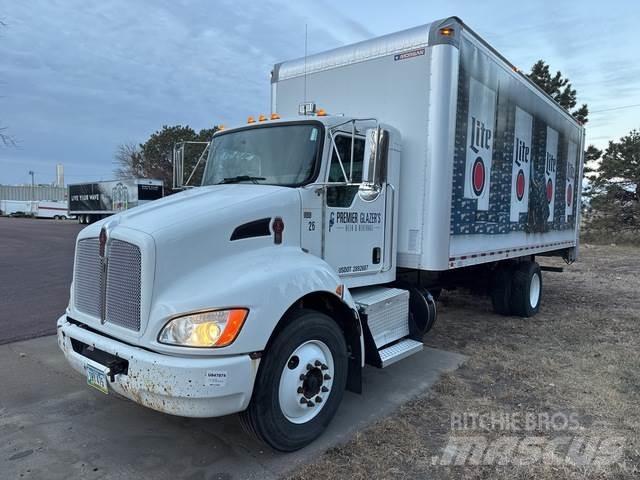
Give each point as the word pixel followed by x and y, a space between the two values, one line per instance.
pixel 274 155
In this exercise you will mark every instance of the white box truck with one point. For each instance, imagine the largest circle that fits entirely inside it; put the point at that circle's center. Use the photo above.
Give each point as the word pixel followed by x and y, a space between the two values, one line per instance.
pixel 320 236
pixel 94 201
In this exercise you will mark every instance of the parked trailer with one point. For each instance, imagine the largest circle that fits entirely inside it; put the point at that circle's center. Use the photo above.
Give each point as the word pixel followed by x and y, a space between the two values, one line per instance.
pixel 94 201
pixel 16 208
pixel 58 210
pixel 317 242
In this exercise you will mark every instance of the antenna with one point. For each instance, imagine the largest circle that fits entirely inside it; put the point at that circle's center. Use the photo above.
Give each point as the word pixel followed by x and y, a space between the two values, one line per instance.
pixel 305 63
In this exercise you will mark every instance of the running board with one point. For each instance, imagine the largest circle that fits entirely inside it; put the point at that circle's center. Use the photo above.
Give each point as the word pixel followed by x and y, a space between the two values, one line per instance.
pixel 398 351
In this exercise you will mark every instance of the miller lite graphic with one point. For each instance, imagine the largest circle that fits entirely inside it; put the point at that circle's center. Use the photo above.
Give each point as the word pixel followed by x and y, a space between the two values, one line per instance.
pixel 480 134
pixel 521 164
pixel 571 179
pixel 551 162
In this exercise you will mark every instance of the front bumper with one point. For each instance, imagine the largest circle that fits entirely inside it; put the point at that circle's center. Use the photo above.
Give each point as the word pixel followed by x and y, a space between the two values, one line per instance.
pixel 189 387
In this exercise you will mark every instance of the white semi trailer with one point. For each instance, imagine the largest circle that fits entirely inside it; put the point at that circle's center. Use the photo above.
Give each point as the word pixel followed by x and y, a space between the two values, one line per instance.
pixel 319 237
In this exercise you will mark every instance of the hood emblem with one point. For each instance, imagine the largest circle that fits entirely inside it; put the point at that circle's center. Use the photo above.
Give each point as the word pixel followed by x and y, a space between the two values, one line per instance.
pixel 103 241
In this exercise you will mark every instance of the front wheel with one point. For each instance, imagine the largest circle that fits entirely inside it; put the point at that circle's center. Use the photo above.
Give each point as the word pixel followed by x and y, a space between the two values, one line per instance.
pixel 300 382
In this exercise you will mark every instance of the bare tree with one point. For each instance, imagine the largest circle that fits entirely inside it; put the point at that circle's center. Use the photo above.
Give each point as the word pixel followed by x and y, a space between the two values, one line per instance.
pixel 129 161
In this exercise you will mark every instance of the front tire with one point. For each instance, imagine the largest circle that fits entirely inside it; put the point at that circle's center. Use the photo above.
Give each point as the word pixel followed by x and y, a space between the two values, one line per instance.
pixel 526 289
pixel 300 382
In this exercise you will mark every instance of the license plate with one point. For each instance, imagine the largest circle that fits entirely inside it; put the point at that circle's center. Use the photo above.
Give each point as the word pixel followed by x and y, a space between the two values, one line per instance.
pixel 97 379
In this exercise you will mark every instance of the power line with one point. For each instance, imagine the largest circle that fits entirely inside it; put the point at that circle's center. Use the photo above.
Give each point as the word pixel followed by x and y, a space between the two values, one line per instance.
pixel 616 108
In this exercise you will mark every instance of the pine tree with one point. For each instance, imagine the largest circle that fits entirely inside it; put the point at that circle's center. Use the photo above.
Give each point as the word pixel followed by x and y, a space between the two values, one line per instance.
pixel 615 186
pixel 559 88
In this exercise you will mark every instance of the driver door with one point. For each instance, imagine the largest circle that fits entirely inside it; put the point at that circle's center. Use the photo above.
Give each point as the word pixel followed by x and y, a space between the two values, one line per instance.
pixel 354 220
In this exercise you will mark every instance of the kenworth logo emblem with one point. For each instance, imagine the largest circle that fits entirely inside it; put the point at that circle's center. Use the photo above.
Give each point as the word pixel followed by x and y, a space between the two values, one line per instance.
pixel 103 241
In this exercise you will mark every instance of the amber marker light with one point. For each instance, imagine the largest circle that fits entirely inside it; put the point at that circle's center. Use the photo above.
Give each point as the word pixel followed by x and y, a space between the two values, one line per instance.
pixel 262 118
pixel 275 116
pixel 235 320
pixel 447 31
pixel 321 113
pixel 250 119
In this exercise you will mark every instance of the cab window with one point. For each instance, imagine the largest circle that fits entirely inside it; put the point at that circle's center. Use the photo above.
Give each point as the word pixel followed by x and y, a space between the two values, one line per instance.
pixel 342 196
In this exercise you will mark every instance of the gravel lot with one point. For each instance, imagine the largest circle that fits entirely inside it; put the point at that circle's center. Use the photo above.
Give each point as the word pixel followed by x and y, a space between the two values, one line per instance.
pixel 36 263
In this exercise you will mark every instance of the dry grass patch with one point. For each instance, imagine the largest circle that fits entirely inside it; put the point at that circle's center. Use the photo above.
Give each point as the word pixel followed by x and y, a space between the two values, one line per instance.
pixel 579 357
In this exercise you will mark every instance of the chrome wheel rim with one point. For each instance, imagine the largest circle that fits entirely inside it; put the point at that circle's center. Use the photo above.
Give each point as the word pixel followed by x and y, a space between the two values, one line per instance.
pixel 306 381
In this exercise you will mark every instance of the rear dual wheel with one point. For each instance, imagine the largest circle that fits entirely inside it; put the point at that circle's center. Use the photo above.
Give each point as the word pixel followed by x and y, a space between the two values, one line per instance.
pixel 300 382
pixel 516 289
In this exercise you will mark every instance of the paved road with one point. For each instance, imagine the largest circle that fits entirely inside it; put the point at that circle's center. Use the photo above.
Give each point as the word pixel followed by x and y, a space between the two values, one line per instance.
pixel 36 262
pixel 54 426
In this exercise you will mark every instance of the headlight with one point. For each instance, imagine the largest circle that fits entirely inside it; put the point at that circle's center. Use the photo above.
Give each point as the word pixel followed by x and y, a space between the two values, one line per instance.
pixel 217 328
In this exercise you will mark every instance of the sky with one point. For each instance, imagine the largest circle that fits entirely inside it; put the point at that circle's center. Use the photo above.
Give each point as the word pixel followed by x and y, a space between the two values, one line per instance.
pixel 80 77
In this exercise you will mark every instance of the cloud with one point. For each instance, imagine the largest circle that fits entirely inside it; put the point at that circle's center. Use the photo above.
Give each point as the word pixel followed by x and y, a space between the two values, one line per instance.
pixel 81 77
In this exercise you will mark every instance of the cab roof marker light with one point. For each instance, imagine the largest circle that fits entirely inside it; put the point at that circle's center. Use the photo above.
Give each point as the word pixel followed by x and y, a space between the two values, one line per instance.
pixel 321 113
pixel 446 31
pixel 250 119
pixel 262 118
pixel 275 116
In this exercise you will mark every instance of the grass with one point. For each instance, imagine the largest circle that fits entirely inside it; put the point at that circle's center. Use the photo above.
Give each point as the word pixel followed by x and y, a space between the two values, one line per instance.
pixel 578 357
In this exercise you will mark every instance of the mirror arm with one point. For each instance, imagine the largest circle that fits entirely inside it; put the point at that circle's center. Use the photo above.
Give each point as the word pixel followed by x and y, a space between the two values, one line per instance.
pixel 353 140
pixel 335 148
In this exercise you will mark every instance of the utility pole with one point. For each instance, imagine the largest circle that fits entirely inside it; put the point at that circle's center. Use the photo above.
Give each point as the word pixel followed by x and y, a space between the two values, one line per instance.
pixel 33 188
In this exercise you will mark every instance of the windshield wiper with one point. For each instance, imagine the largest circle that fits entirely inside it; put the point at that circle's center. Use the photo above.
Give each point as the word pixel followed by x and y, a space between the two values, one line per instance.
pixel 241 178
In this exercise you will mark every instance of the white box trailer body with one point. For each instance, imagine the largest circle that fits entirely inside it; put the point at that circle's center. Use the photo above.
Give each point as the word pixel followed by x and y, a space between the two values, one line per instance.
pixel 491 165
pixel 51 209
pixel 95 200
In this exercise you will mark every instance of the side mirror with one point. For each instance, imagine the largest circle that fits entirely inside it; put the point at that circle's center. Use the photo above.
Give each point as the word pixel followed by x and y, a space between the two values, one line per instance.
pixel 376 153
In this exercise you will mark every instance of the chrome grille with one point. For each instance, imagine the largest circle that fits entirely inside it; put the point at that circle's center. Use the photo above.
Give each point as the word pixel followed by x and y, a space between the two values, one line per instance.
pixel 88 277
pixel 123 285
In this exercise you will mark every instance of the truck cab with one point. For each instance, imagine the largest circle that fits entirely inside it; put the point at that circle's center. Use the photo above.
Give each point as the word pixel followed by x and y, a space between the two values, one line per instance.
pixel 346 203
pixel 250 293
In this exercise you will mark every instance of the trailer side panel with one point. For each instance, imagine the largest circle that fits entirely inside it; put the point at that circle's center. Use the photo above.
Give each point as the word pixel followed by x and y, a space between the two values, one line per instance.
pixel 516 164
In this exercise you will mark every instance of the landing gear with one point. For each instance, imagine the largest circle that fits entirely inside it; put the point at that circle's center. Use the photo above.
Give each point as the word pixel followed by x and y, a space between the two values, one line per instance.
pixel 300 382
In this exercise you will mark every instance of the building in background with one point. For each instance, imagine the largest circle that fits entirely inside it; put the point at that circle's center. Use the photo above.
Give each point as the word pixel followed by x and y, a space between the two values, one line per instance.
pixel 38 192
pixel 59 175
